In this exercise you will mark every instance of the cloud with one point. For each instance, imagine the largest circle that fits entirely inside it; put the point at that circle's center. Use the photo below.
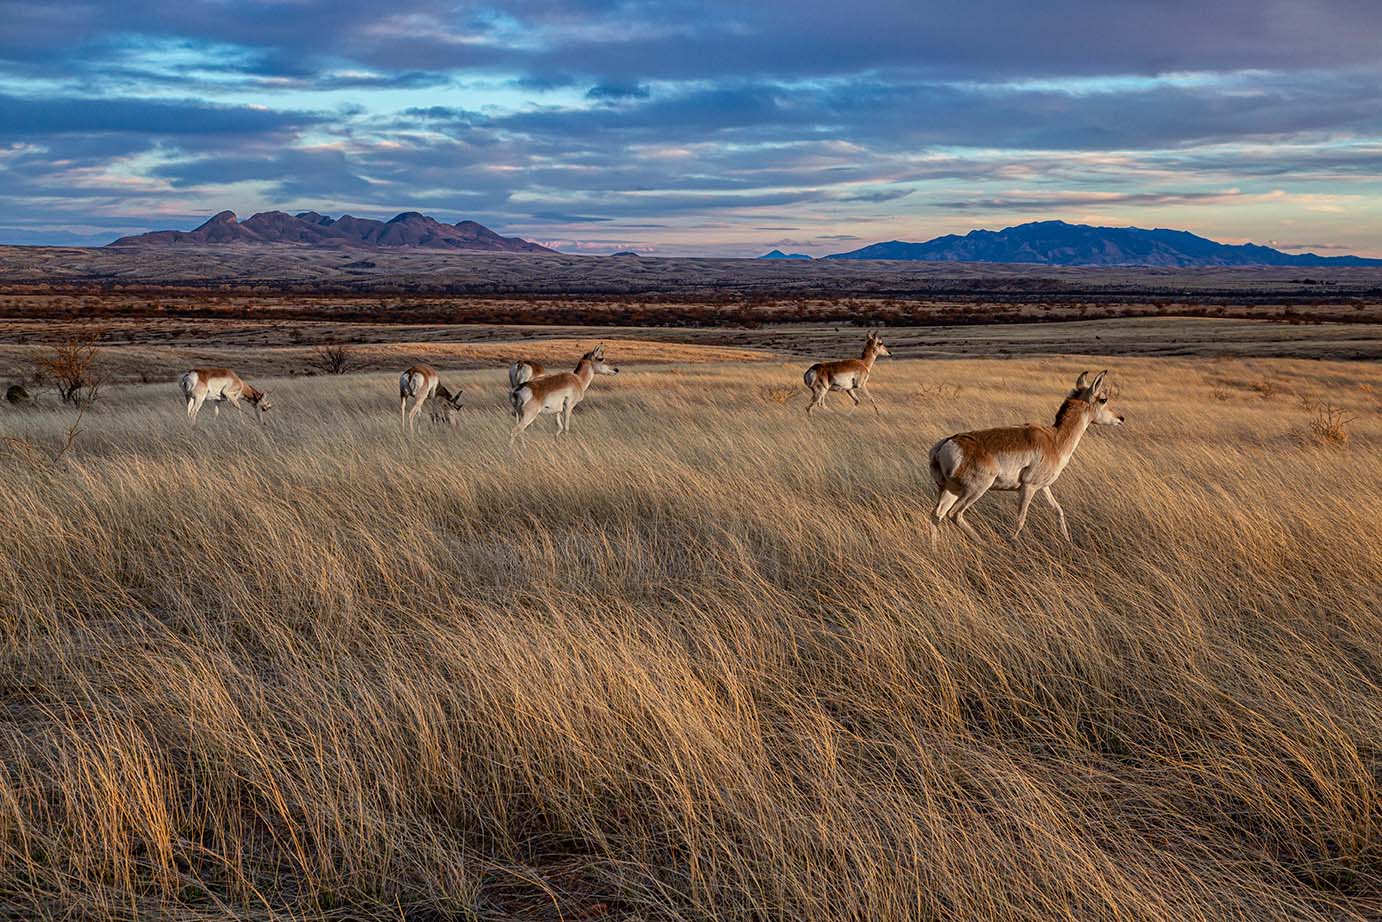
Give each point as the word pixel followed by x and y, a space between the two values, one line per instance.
pixel 39 117
pixel 617 91
pixel 705 122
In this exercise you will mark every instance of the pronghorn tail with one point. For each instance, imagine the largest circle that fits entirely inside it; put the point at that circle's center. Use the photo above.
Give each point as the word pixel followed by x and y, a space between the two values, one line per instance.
pixel 187 382
pixel 946 458
pixel 811 374
pixel 517 397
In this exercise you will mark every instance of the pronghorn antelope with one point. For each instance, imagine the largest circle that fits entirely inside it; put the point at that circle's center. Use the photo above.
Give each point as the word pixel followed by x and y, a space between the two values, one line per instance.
pixel 1024 458
pixel 421 382
pixel 849 375
pixel 217 384
pixel 523 372
pixel 558 393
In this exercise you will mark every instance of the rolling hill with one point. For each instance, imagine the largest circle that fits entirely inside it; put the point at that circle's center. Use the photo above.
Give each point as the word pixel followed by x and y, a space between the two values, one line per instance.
pixel 409 230
pixel 1057 243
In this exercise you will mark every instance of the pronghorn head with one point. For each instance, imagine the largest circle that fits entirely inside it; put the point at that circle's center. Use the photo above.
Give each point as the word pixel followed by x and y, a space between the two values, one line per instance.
pixel 449 396
pixel 260 401
pixel 875 344
pixel 596 358
pixel 1096 393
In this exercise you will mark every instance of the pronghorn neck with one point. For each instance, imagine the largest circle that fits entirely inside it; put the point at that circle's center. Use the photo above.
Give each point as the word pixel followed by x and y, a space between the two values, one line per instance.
pixel 870 355
pixel 1072 419
pixel 585 373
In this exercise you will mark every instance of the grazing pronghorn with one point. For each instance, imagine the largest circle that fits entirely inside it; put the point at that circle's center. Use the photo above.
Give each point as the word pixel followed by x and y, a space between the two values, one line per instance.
pixel 217 384
pixel 850 375
pixel 1024 458
pixel 523 372
pixel 421 382
pixel 558 393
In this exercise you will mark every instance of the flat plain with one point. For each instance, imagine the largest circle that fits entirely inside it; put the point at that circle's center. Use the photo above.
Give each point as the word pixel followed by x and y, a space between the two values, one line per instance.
pixel 698 659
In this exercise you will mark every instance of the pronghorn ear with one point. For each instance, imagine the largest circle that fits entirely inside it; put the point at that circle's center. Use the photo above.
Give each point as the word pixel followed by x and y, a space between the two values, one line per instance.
pixel 1082 381
pixel 1098 382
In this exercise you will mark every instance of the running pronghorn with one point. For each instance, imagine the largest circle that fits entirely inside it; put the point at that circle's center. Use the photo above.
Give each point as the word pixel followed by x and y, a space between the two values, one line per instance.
pixel 523 372
pixel 421 382
pixel 849 375
pixel 1024 458
pixel 558 393
pixel 218 384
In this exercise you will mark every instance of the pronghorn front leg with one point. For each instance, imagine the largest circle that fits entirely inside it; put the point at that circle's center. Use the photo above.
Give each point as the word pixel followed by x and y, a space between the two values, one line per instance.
pixel 853 395
pixel 1060 513
pixel 1024 500
pixel 869 394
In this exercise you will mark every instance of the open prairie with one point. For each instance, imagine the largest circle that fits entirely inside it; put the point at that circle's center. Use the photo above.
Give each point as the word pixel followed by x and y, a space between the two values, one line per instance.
pixel 698 659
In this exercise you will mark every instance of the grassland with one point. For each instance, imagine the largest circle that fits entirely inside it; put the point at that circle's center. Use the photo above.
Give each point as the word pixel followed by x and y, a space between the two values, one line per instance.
pixel 697 660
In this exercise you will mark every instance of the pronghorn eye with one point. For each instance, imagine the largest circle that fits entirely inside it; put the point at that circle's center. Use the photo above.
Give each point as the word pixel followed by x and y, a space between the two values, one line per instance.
pixel 1103 400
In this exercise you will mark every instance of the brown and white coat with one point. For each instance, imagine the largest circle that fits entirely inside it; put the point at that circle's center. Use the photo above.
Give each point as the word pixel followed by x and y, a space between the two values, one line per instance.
pixel 849 375
pixel 1027 458
pixel 558 393
pixel 220 384
pixel 421 383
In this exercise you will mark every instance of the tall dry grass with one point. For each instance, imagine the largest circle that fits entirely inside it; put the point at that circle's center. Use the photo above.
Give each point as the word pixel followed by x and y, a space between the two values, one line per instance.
pixel 697 661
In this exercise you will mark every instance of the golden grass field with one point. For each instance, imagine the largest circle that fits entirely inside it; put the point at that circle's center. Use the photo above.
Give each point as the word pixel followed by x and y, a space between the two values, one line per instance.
pixel 697 660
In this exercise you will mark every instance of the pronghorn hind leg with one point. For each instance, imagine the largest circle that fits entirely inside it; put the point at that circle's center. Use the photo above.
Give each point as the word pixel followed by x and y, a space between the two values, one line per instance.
pixel 945 498
pixel 403 412
pixel 522 422
pixel 1024 501
pixel 1060 513
pixel 418 401
pixel 973 493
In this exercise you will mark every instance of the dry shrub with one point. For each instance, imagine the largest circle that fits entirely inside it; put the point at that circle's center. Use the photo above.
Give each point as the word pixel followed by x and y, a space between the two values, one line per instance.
pixel 1265 388
pixel 73 368
pixel 943 392
pixel 1329 425
pixel 779 393
pixel 332 359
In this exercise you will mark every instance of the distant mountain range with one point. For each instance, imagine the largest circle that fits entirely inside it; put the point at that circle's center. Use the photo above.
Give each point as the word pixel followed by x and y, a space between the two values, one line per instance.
pixel 1057 243
pixel 778 254
pixel 407 230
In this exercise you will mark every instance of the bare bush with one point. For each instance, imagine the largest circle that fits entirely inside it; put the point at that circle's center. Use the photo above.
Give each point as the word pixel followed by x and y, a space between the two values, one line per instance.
pixel 1329 425
pixel 72 367
pixel 332 359
pixel 777 393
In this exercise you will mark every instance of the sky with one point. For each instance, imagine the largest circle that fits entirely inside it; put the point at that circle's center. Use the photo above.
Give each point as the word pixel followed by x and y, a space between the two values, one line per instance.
pixel 715 127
